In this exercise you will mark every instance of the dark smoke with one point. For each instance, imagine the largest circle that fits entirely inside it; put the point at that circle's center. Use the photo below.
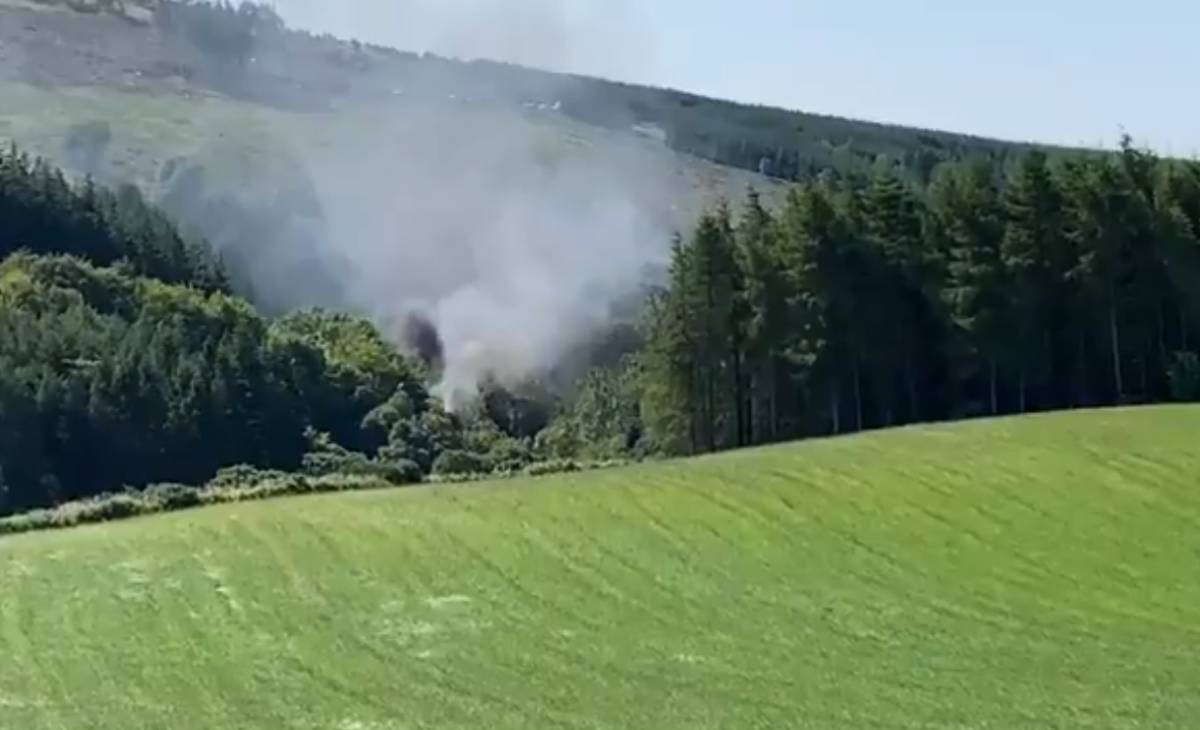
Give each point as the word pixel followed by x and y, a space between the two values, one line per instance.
pixel 422 339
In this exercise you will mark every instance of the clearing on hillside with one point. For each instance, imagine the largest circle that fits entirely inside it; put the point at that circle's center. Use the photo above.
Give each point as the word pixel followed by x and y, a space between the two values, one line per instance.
pixel 1028 572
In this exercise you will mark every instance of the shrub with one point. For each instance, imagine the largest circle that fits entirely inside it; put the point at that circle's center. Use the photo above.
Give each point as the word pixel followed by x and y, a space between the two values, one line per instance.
pixel 242 475
pixel 460 462
pixel 111 507
pixel 1184 376
pixel 397 471
pixel 27 522
pixel 465 478
pixel 607 464
pixel 168 497
pixel 509 455
pixel 234 484
pixel 237 487
pixel 556 466
pixel 96 509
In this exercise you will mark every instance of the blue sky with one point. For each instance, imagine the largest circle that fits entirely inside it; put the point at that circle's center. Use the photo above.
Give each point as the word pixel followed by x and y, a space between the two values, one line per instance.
pixel 1063 71
pixel 1070 71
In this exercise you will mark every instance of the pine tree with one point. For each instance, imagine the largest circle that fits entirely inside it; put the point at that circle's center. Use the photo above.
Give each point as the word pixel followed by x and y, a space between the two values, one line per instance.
pixel 891 223
pixel 829 267
pixel 766 312
pixel 967 208
pixel 1104 214
pixel 1036 252
pixel 669 376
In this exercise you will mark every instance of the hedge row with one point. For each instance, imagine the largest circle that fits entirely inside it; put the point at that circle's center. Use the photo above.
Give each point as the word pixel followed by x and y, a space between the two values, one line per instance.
pixel 240 484
pixel 246 484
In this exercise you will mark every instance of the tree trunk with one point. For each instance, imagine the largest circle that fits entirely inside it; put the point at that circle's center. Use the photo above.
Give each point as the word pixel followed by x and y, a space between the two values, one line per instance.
pixel 1115 336
pixel 992 384
pixel 1021 390
pixel 693 422
pixel 710 416
pixel 1145 363
pixel 1183 329
pixel 773 404
pixel 1081 394
pixel 1051 355
pixel 858 405
pixel 739 397
pixel 910 384
pixel 1162 338
pixel 835 408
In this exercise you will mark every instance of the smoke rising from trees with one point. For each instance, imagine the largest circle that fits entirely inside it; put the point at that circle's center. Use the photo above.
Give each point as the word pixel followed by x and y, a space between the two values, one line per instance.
pixel 515 248
pixel 511 235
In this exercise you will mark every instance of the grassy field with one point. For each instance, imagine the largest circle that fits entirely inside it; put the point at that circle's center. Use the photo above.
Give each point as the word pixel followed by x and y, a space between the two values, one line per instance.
pixel 1037 572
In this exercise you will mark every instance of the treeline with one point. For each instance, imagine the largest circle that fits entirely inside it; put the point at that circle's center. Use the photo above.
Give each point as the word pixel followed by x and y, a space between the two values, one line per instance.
pixel 43 213
pixel 110 381
pixel 125 361
pixel 782 143
pixel 1045 285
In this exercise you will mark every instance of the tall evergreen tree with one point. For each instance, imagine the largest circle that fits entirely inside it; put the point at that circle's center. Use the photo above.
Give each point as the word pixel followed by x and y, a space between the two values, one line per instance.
pixel 967 207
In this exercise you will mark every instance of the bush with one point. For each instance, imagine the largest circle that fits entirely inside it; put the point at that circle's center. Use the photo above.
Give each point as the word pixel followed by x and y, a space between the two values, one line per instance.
pixel 112 507
pixel 466 478
pixel 563 466
pixel 102 508
pixel 509 455
pixel 243 475
pixel 244 483
pixel 239 483
pixel 397 471
pixel 1184 376
pixel 167 497
pixel 556 466
pixel 272 484
pixel 608 464
pixel 460 462
pixel 28 522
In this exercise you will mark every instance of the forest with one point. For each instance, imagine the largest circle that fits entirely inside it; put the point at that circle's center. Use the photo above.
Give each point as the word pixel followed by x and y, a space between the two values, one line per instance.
pixel 993 290
pixel 128 359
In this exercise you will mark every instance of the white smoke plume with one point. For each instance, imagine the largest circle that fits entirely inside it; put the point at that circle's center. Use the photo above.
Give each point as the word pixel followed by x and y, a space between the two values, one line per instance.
pixel 510 233
pixel 513 247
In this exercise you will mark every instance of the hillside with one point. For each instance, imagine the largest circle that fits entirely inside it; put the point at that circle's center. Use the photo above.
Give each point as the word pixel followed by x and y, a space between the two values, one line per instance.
pixel 1029 572
pixel 322 169
pixel 285 78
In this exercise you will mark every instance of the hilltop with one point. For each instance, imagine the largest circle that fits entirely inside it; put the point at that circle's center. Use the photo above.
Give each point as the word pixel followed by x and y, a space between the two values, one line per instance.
pixel 102 52
pixel 1035 571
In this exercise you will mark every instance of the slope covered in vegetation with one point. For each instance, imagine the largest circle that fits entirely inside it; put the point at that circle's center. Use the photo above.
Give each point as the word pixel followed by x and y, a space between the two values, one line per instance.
pixel 1025 572
pixel 126 360
pixel 1046 285
pixel 245 51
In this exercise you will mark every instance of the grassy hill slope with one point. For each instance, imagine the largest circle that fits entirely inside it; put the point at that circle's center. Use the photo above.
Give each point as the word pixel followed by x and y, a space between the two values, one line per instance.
pixel 1033 572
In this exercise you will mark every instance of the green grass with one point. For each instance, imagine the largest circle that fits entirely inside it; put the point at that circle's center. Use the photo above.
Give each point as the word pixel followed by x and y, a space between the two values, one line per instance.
pixel 1041 572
